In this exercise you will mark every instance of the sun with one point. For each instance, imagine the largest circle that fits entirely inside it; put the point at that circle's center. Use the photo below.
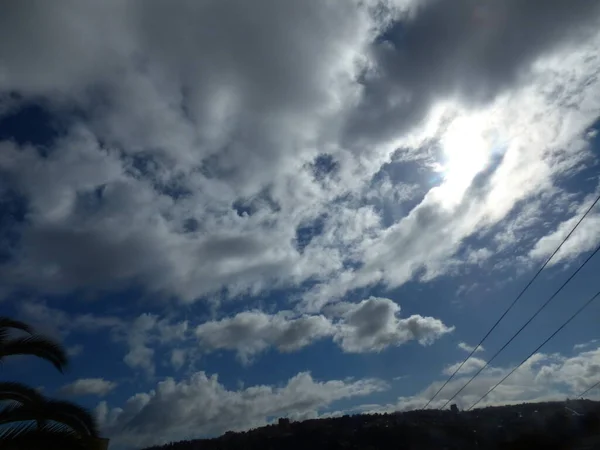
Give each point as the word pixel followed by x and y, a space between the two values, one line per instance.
pixel 466 153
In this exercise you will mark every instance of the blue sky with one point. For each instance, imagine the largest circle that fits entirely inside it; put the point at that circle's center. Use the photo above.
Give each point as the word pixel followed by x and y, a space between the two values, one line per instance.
pixel 234 212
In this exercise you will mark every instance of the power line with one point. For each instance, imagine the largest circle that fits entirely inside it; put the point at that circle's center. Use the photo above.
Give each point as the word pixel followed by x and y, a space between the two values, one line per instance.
pixel 585 305
pixel 523 327
pixel 513 303
pixel 588 389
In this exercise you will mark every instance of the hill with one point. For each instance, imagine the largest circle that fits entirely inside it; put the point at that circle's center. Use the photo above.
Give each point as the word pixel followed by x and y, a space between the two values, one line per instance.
pixel 551 425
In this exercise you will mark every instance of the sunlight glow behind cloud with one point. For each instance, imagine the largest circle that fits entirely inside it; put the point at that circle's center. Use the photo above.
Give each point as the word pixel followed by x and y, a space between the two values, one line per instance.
pixel 466 152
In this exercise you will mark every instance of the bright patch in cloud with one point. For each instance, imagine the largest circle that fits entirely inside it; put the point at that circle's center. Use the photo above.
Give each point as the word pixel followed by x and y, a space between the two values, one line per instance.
pixel 466 152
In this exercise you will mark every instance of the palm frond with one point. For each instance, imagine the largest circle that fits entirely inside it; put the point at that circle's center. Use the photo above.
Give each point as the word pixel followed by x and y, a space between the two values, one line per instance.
pixel 75 416
pixel 51 436
pixel 39 346
pixel 19 392
pixel 67 414
pixel 17 412
pixel 7 322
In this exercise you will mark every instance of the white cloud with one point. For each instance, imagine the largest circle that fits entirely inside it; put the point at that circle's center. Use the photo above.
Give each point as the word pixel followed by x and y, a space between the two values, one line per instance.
pixel 250 333
pixel 178 358
pixel 543 377
pixel 88 386
pixel 201 406
pixel 443 61
pixel 471 365
pixel 244 131
pixel 583 345
pixel 373 325
pixel 140 355
pixel 141 335
pixel 147 332
pixel 194 168
pixel 369 326
pixel 584 239
pixel 59 323
pixel 530 143
pixel 469 348
pixel 148 182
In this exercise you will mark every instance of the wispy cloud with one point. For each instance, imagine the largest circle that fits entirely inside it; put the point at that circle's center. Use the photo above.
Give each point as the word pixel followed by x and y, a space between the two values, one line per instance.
pixel 141 335
pixel 585 345
pixel 88 386
pixel 470 365
pixel 469 348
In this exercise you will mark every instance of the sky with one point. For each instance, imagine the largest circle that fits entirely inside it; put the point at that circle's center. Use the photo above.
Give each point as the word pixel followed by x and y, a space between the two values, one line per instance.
pixel 233 211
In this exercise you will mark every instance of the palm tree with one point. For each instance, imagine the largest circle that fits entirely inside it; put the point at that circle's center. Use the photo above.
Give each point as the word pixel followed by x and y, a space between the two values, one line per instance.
pixel 30 344
pixel 28 419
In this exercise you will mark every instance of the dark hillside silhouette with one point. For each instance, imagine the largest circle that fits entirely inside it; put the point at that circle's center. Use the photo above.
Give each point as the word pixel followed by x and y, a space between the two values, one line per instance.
pixel 553 425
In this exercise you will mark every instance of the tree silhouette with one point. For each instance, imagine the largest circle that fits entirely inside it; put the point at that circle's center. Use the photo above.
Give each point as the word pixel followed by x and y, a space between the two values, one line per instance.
pixel 30 344
pixel 28 419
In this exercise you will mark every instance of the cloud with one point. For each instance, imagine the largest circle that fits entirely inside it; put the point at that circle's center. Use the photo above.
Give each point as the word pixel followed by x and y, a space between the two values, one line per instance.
pixel 74 350
pixel 314 148
pixel 192 176
pixel 448 50
pixel 178 358
pixel 140 355
pixel 468 348
pixel 202 406
pixel 584 344
pixel 471 365
pixel 399 378
pixel 584 239
pixel 141 335
pixel 88 386
pixel 544 377
pixel 481 200
pixel 147 332
pixel 373 325
pixel 250 333
pixel 193 138
pixel 60 323
pixel 369 326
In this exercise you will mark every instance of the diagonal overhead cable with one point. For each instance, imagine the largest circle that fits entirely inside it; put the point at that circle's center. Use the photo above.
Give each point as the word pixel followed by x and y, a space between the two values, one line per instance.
pixel 585 305
pixel 513 303
pixel 546 303
pixel 588 389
